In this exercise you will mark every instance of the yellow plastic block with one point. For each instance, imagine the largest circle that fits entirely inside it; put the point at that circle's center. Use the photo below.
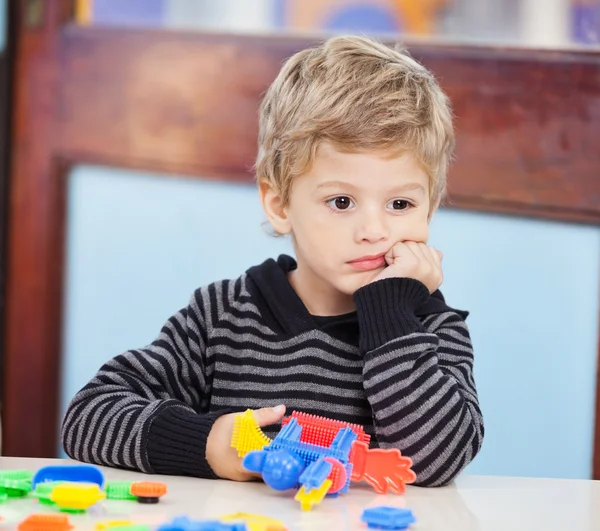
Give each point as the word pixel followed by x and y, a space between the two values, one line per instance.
pixel 76 496
pixel 104 526
pixel 255 522
pixel 247 435
pixel 314 497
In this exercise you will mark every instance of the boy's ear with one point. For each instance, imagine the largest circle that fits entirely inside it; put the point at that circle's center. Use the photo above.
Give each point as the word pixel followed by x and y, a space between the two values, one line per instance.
pixel 274 209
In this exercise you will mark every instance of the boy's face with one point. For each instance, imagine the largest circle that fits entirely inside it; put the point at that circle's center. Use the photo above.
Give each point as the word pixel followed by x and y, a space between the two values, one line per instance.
pixel 349 207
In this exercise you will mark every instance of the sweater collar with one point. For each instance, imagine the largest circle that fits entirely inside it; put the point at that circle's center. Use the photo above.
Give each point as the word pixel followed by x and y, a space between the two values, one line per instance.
pixel 286 307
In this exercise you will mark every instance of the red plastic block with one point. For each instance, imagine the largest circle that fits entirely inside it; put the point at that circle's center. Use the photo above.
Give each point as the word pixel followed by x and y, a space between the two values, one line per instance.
pixel 321 431
pixel 382 469
pixel 337 475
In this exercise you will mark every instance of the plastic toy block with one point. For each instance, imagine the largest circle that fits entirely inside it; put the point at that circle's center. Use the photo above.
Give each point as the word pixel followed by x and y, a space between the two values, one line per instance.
pixel 131 527
pixel 338 475
pixel 287 458
pixel 280 470
pixel 103 526
pixel 23 475
pixel 119 490
pixel 70 473
pixel 15 488
pixel 43 491
pixel 343 442
pixel 314 475
pixel 148 491
pixel 183 523
pixel 256 522
pixel 3 497
pixel 387 518
pixel 76 497
pixel 45 522
pixel 382 469
pixel 314 497
pixel 247 435
pixel 220 526
pixel 289 439
pixel 321 430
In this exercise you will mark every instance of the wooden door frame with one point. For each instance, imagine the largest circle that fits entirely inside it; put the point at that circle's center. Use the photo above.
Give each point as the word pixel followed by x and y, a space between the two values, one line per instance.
pixel 6 63
pixel 526 123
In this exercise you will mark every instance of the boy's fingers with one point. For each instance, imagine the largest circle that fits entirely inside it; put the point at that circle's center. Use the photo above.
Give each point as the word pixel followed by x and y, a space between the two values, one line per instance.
pixel 415 250
pixel 269 415
pixel 436 255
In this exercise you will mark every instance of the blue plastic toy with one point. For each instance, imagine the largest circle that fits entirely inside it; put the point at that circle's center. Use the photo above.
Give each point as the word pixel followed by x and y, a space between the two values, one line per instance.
pixel 183 523
pixel 384 517
pixel 288 463
pixel 72 473
pixel 314 475
pixel 280 470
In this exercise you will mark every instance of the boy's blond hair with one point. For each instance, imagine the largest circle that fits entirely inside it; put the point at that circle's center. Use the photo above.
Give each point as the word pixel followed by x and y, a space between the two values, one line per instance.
pixel 360 95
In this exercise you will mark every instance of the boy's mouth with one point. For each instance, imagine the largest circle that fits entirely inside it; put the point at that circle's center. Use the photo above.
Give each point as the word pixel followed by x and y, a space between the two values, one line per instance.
pixel 368 263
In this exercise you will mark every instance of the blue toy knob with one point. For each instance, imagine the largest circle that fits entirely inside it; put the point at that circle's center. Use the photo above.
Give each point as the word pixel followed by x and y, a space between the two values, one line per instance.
pixel 280 469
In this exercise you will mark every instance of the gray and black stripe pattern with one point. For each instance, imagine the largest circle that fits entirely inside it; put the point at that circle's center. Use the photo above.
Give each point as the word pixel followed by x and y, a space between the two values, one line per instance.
pixel 250 343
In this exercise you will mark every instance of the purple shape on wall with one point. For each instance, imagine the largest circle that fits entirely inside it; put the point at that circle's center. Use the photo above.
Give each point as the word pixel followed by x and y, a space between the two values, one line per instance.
pixel 586 23
pixel 149 13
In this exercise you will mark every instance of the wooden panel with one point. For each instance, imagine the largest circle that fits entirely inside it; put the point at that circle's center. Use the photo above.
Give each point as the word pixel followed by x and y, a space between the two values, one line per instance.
pixel 528 122
pixel 5 62
pixel 35 248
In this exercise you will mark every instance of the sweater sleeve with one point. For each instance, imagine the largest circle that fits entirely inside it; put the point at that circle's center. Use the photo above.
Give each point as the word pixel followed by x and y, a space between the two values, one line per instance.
pixel 142 409
pixel 418 378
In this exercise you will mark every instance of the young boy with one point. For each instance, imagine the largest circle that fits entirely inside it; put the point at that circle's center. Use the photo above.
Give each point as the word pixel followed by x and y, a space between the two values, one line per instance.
pixel 354 144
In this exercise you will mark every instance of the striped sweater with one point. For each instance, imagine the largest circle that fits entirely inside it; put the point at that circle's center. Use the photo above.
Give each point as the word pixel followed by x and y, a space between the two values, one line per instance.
pixel 401 365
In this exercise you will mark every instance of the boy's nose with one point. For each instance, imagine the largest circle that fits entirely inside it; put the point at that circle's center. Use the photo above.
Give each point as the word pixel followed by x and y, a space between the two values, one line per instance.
pixel 372 229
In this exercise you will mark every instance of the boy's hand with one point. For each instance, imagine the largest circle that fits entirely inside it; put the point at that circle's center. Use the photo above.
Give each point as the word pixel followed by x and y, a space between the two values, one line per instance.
pixel 221 457
pixel 414 260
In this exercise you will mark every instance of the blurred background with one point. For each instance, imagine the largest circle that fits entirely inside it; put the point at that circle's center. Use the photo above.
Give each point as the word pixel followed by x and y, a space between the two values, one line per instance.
pixel 95 265
pixel 548 23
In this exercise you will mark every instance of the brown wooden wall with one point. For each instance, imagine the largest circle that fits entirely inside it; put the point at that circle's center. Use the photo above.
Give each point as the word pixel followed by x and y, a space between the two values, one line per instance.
pixel 6 63
pixel 528 130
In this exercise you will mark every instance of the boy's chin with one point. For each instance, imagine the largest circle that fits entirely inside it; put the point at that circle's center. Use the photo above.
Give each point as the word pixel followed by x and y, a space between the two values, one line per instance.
pixel 354 283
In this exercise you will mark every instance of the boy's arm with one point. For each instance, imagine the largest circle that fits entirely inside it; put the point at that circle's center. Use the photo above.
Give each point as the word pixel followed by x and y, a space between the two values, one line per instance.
pixel 418 377
pixel 140 411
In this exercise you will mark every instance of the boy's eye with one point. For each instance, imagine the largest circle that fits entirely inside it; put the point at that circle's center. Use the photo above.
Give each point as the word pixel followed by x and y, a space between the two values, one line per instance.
pixel 399 204
pixel 340 203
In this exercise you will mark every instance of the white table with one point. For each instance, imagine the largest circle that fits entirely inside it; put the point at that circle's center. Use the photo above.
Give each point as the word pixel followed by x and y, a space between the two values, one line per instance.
pixel 472 503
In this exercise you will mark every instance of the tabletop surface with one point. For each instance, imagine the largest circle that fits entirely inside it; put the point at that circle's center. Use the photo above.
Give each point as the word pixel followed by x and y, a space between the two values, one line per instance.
pixel 471 503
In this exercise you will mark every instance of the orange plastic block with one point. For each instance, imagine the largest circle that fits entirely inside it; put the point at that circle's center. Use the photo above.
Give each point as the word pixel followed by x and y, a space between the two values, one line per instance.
pixel 321 431
pixel 148 491
pixel 382 469
pixel 45 522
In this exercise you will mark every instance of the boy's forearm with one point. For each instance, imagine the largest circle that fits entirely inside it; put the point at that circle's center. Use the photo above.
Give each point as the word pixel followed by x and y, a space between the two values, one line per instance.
pixel 422 410
pixel 156 437
pixel 139 411
pixel 420 388
pixel 176 442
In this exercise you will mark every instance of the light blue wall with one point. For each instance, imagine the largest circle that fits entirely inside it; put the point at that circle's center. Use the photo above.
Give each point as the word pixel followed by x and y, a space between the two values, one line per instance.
pixel 3 24
pixel 138 245
pixel 532 288
pixel 137 248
